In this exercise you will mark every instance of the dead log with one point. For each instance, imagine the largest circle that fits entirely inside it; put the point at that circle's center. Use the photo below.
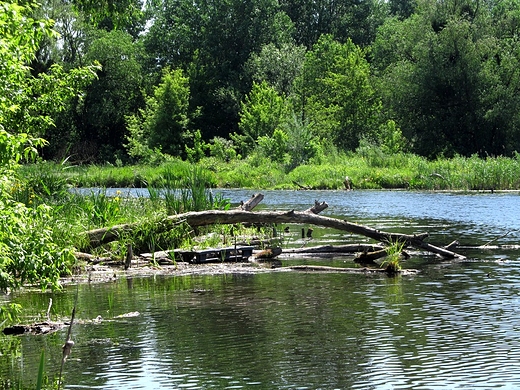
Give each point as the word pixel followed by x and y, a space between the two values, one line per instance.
pixel 98 237
pixel 251 203
pixel 129 256
pixel 39 328
pixel 452 245
pixel 300 186
pixel 48 327
pixel 369 258
pixel 336 249
pixel 347 183
pixel 324 268
pixel 92 259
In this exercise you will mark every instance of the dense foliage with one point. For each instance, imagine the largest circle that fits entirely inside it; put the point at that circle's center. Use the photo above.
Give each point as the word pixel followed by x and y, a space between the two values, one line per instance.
pixel 28 103
pixel 432 78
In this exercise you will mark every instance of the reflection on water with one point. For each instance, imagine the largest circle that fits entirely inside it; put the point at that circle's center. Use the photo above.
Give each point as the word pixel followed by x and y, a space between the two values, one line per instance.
pixel 455 325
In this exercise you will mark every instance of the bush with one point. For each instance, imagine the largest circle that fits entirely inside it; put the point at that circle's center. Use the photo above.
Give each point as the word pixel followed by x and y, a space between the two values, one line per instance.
pixel 28 253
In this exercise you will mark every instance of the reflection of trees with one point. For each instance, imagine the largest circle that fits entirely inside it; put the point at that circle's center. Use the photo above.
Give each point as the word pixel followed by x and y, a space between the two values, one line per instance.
pixel 295 329
pixel 418 325
pixel 20 357
pixel 324 325
pixel 113 342
pixel 10 354
pixel 224 328
pixel 262 328
pixel 276 329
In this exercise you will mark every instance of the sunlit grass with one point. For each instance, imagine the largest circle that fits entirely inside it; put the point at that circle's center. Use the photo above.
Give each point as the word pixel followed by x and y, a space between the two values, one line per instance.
pixel 176 188
pixel 367 169
pixel 392 261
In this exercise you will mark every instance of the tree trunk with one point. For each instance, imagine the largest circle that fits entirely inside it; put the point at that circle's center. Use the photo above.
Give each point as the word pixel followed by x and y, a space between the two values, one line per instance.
pixel 325 249
pixel 201 218
pixel 317 208
pixel 324 268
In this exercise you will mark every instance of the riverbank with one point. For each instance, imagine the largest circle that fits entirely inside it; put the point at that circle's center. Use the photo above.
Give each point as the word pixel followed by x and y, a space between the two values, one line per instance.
pixel 142 268
pixel 368 170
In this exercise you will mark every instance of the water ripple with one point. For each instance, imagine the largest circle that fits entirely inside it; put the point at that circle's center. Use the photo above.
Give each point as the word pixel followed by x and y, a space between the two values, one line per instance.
pixel 453 326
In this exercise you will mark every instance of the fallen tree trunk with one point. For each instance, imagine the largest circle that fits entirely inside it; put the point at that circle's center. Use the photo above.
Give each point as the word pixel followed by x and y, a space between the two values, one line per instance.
pixel 317 208
pixel 49 327
pixel 349 248
pixel 369 258
pixel 270 253
pixel 39 328
pixel 202 218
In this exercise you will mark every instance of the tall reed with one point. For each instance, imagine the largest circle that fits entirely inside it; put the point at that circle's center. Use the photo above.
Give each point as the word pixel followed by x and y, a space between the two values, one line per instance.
pixel 368 168
pixel 186 190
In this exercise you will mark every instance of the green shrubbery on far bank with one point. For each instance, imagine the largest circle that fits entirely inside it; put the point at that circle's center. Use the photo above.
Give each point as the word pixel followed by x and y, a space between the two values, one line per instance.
pixel 368 168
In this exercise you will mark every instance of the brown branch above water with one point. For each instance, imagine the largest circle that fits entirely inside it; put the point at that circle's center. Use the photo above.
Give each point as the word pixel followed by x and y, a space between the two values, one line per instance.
pixel 99 237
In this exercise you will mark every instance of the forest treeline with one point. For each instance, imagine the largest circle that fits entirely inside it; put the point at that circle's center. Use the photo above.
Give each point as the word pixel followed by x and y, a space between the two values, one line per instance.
pixel 285 79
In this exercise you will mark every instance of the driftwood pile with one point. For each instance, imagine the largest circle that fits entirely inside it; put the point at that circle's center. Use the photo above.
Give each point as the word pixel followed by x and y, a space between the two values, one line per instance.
pixel 244 214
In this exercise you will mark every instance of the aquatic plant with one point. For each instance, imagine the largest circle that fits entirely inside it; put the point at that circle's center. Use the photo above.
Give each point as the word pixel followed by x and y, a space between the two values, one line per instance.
pixel 104 209
pixel 9 313
pixel 41 370
pixel 392 261
pixel 368 168
pixel 186 190
pixel 46 180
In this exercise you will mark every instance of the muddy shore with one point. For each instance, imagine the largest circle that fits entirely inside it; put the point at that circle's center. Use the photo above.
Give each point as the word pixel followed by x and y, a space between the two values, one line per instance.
pixel 99 273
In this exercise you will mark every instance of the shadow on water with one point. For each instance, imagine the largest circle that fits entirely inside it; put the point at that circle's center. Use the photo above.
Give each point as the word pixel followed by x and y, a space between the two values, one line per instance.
pixel 454 325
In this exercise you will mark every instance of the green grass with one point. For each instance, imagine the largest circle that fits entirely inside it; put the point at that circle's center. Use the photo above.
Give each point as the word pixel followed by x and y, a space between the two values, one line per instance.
pixel 369 169
pixel 392 261
pixel 178 186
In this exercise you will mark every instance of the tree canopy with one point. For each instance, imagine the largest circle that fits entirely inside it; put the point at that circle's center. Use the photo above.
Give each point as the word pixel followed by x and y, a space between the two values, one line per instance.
pixel 442 76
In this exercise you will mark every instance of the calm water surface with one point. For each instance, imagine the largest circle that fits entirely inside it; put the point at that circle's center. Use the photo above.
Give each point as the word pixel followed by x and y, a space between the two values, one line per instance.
pixel 454 325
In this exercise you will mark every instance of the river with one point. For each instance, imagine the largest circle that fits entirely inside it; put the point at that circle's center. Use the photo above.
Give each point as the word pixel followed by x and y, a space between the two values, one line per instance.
pixel 454 325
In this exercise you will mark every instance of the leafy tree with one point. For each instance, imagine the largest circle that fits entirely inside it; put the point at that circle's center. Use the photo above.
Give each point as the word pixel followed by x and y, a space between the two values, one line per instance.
pixel 198 151
pixel 68 46
pixel 212 41
pixel 27 253
pixel 505 17
pixel 274 147
pixel 353 19
pixel 501 71
pixel 272 131
pixel 402 8
pixel 278 66
pixel 303 146
pixel 27 103
pixel 334 93
pixel 391 138
pixel 222 149
pixel 448 80
pixel 125 15
pixel 262 112
pixel 94 127
pixel 163 123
